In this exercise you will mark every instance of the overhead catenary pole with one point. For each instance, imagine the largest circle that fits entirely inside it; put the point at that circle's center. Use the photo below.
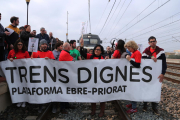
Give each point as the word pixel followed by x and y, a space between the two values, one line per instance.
pixel 89 17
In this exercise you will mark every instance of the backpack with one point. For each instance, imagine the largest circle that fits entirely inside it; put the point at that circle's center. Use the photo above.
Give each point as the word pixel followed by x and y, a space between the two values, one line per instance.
pixel 124 54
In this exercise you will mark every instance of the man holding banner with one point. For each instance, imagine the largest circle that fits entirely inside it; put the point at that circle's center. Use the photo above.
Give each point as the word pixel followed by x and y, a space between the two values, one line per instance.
pixel 65 56
pixel 154 52
pixel 43 53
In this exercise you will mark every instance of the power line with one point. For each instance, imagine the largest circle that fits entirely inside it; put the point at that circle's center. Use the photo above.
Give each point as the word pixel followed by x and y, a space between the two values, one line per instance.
pixel 101 16
pixel 156 28
pixel 156 23
pixel 117 15
pixel 160 33
pixel 137 15
pixel 143 18
pixel 162 41
pixel 113 13
pixel 107 17
pixel 122 15
pixel 167 31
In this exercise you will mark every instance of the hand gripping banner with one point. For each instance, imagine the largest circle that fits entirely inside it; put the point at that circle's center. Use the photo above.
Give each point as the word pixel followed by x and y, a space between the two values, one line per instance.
pixel 41 81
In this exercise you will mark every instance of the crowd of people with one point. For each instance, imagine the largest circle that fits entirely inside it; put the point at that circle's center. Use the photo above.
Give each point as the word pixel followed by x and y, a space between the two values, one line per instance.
pixel 14 44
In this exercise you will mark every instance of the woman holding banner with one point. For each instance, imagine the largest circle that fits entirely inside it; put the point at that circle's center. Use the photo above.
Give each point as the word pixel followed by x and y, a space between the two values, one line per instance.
pixel 97 54
pixel 19 52
pixel 136 55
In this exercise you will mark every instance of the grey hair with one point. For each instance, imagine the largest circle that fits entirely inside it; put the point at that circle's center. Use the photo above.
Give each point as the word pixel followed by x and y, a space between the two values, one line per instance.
pixel 42 28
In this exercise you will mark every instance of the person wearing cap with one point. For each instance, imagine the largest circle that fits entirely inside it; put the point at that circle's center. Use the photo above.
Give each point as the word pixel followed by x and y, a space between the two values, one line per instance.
pixel 25 35
pixel 73 52
pixel 43 52
pixel 3 34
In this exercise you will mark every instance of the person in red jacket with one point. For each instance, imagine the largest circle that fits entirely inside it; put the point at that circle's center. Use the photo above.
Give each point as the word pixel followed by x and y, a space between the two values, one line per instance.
pixel 19 52
pixel 98 51
pixel 43 52
pixel 119 49
pixel 65 54
pixel 136 55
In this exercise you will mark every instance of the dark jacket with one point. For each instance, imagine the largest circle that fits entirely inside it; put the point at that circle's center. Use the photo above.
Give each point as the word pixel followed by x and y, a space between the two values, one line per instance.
pixel 108 54
pixel 89 56
pixel 11 39
pixel 2 35
pixel 25 37
pixel 53 41
pixel 160 55
pixel 45 36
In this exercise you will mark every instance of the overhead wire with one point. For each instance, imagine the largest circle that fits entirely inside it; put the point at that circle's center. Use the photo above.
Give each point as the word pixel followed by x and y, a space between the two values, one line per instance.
pixel 144 17
pixel 102 15
pixel 113 13
pixel 121 16
pixel 156 23
pixel 137 15
pixel 107 17
pixel 174 29
pixel 117 15
pixel 156 28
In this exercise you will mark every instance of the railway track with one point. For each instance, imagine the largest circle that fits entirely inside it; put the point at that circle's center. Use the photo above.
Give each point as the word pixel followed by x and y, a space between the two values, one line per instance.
pixel 113 111
pixel 171 66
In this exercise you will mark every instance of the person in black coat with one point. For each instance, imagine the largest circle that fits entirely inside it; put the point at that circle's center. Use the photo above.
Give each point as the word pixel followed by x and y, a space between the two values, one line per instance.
pixel 25 35
pixel 3 34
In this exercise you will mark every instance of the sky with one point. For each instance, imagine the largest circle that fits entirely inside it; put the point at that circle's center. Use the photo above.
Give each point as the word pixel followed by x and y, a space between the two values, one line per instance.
pixel 129 19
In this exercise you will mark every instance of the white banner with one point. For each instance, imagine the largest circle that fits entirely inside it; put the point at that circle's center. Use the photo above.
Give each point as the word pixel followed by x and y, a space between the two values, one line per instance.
pixel 83 28
pixel 41 81
pixel 140 48
pixel 33 44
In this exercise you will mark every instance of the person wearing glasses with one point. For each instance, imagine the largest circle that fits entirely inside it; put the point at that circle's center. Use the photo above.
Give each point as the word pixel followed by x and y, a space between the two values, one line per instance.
pixel 154 52
pixel 19 52
pixel 136 55
pixel 98 52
